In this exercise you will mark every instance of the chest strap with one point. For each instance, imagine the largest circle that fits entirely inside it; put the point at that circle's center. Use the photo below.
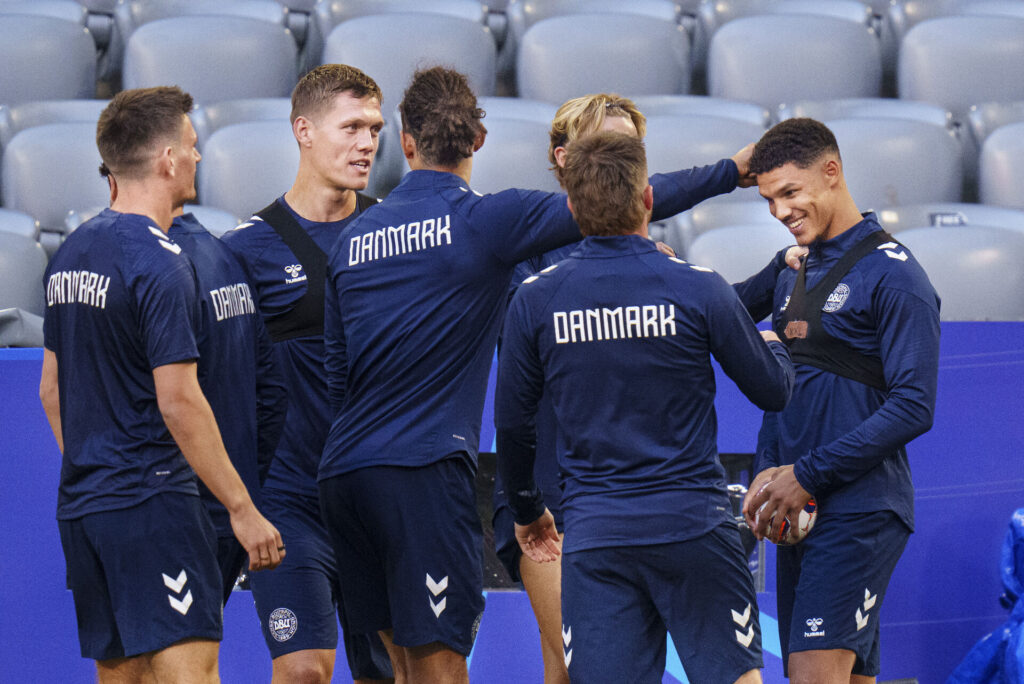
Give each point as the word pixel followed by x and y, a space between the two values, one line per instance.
pixel 306 317
pixel 801 327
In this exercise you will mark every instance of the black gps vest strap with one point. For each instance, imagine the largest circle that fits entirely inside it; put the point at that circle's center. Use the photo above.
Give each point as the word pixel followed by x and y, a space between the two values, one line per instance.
pixel 802 330
pixel 306 317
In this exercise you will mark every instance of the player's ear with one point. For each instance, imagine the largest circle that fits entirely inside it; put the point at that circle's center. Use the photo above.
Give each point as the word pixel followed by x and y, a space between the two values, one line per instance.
pixel 649 198
pixel 165 161
pixel 478 140
pixel 568 203
pixel 560 156
pixel 301 129
pixel 833 171
pixel 408 145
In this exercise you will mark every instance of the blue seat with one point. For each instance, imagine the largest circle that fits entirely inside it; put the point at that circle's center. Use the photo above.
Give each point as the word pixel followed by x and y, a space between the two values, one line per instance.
pixel 213 57
pixel 568 56
pixel 978 271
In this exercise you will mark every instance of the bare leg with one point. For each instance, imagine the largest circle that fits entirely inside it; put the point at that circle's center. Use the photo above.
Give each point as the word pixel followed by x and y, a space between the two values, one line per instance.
pixel 124 670
pixel 543 584
pixel 750 677
pixel 831 666
pixel 192 661
pixel 437 664
pixel 861 679
pixel 397 655
pixel 309 666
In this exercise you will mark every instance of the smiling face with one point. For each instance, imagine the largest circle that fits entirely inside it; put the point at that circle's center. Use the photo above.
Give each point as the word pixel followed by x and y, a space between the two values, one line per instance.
pixel 804 200
pixel 343 141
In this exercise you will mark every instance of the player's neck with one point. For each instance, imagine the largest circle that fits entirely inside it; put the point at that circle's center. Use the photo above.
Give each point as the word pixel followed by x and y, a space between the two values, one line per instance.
pixel 847 215
pixel 321 203
pixel 137 198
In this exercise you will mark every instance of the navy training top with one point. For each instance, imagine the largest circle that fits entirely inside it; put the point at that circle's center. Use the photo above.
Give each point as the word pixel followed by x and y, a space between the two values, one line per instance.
pixel 236 369
pixel 847 440
pixel 279 281
pixel 120 301
pixel 621 336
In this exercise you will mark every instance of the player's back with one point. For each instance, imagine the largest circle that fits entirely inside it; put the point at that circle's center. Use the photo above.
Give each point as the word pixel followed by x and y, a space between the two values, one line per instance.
pixel 415 296
pixel 120 302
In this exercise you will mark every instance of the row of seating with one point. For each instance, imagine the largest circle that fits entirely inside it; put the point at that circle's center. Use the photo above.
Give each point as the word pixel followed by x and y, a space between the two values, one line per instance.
pixel 782 52
pixel 962 261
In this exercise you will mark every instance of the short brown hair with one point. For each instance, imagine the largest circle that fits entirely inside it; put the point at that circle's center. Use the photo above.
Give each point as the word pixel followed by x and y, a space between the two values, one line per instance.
pixel 134 122
pixel 582 115
pixel 799 141
pixel 605 176
pixel 439 111
pixel 318 88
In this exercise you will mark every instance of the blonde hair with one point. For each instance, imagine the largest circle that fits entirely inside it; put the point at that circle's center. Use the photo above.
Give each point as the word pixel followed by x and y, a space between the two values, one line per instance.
pixel 583 115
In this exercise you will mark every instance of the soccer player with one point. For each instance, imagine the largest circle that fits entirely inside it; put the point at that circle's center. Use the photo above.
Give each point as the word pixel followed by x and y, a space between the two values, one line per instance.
pixel 237 375
pixel 575 118
pixel 620 337
pixel 336 120
pixel 120 391
pixel 862 322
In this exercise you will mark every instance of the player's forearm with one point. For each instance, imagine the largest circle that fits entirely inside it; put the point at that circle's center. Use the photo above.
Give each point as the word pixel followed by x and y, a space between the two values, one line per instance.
pixel 516 457
pixel 680 190
pixel 49 396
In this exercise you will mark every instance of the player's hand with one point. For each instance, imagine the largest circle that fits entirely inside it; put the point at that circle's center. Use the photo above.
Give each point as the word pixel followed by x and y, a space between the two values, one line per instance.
pixel 769 336
pixel 665 249
pixel 539 540
pixel 760 480
pixel 782 496
pixel 793 256
pixel 259 538
pixel 742 159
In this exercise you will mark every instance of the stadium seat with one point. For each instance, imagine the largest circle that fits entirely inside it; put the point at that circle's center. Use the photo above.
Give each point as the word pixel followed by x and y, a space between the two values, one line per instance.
pixel 246 166
pixel 681 230
pixel 568 56
pixel 55 58
pixel 978 271
pixel 213 57
pixel 1001 169
pixel 985 118
pixel 517 108
pixel 215 220
pixel 872 107
pixel 20 329
pixel 68 10
pixel 958 61
pixel 944 214
pixel 657 105
pixel 19 223
pixel 22 264
pixel 391 47
pixel 514 155
pixel 738 252
pixel 772 59
pixel 51 169
pixel 889 162
pixel 209 118
pixel 16 118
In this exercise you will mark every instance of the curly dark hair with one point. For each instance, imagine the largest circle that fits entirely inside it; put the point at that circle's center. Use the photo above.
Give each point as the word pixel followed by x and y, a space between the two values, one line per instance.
pixel 800 141
pixel 439 111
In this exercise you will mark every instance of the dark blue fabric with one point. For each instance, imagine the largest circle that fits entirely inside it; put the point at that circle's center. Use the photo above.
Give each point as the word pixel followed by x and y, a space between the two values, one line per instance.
pixel 236 370
pixel 121 301
pixel 636 409
pixel 845 439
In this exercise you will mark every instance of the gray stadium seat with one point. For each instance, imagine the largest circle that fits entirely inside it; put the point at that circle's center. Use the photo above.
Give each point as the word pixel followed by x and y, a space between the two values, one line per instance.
pixel 20 329
pixel 517 108
pixel 22 264
pixel 55 58
pixel 51 169
pixel 1001 168
pixel 959 61
pixel 209 118
pixel 657 105
pixel 19 223
pixel 68 10
pixel 944 214
pixel 987 117
pixel 738 252
pixel 772 59
pixel 681 230
pixel 978 271
pixel 872 107
pixel 213 57
pixel 215 220
pixel 888 162
pixel 514 155
pixel 246 166
pixel 569 56
pixel 16 118
pixel 413 40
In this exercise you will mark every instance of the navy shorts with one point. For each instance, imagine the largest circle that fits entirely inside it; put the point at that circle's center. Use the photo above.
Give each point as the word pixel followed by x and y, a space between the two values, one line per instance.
pixel 143 578
pixel 618 601
pixel 298 601
pixel 232 559
pixel 409 547
pixel 832 584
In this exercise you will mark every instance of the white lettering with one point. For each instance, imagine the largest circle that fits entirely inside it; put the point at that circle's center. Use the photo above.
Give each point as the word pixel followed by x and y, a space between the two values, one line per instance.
pixel 598 325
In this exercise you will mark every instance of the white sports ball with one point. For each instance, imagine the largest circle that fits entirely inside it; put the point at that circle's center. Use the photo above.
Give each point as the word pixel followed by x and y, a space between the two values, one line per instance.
pixel 793 534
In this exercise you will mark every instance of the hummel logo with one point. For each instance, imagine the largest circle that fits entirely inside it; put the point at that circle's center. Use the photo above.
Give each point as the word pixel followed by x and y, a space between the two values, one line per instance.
pixel 435 589
pixel 176 585
pixel 741 619
pixel 814 623
pixel 567 640
pixel 294 270
pixel 165 241
pixel 888 247
pixel 869 603
pixel 869 600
